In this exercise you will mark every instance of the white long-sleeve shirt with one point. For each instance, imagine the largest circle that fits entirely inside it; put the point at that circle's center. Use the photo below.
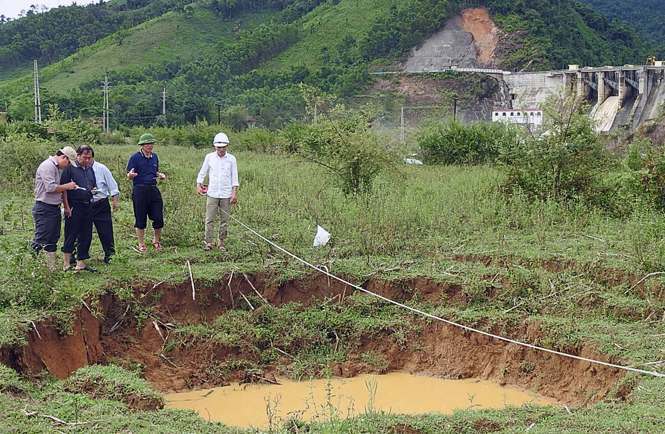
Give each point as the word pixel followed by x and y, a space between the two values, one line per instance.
pixel 223 175
pixel 105 183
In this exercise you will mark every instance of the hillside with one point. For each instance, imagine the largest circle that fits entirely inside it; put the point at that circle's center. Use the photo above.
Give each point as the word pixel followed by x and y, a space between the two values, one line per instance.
pixel 647 17
pixel 252 58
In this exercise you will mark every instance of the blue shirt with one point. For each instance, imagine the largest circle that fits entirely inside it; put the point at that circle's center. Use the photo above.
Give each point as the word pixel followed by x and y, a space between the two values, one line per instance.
pixel 146 168
pixel 105 182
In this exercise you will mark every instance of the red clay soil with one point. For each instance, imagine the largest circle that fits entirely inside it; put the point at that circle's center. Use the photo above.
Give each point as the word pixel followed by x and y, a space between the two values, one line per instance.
pixel 438 349
pixel 485 33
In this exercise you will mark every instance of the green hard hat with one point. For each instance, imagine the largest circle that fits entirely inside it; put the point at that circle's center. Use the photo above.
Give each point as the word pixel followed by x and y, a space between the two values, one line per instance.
pixel 146 138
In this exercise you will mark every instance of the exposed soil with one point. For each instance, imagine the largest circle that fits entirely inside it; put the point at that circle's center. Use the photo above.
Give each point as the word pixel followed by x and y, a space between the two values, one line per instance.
pixel 485 33
pixel 437 349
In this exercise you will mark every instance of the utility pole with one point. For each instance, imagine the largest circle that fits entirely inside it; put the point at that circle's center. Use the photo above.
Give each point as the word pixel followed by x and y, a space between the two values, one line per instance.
pixel 402 123
pixel 455 108
pixel 219 113
pixel 38 104
pixel 164 102
pixel 105 110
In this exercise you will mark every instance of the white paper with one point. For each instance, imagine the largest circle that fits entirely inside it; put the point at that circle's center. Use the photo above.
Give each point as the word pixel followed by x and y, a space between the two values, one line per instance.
pixel 322 237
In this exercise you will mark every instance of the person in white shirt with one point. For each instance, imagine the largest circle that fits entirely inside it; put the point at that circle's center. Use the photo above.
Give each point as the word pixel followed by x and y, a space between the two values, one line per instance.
pixel 101 208
pixel 222 189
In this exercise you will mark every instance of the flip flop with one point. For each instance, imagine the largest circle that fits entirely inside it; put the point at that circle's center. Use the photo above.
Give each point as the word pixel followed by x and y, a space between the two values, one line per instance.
pixel 158 247
pixel 208 247
pixel 143 249
pixel 86 268
pixel 222 248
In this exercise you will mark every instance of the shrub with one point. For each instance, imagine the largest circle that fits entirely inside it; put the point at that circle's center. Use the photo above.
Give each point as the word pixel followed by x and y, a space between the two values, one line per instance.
pixel 452 142
pixel 21 157
pixel 346 147
pixel 565 161
pixel 255 139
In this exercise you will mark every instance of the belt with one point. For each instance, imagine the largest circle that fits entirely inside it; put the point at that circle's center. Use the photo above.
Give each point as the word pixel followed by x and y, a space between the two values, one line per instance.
pixel 106 199
pixel 80 202
pixel 146 185
pixel 48 204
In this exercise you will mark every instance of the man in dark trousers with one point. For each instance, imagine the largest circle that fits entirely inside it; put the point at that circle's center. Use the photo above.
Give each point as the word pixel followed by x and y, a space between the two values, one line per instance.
pixel 101 208
pixel 78 209
pixel 143 170
pixel 48 197
pixel 107 190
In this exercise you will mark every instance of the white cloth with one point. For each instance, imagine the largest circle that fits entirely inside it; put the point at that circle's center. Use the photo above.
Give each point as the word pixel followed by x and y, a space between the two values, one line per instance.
pixel 105 182
pixel 223 175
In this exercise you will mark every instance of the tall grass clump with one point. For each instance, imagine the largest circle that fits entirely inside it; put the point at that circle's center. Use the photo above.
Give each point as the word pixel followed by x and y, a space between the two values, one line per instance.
pixel 454 143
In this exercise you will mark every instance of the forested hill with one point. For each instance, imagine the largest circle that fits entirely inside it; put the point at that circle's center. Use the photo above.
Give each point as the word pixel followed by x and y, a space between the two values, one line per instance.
pixel 646 16
pixel 253 57
pixel 60 32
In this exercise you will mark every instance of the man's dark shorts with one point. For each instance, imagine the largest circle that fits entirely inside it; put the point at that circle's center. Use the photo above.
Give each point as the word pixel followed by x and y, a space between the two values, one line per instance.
pixel 148 204
pixel 47 226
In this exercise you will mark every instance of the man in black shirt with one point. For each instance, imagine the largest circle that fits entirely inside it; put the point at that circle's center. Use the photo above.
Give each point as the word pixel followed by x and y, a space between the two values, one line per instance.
pixel 78 209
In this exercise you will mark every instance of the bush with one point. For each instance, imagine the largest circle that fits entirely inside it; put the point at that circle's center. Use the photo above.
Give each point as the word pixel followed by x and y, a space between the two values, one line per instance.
pixel 255 139
pixel 198 135
pixel 454 143
pixel 346 147
pixel 21 157
pixel 565 161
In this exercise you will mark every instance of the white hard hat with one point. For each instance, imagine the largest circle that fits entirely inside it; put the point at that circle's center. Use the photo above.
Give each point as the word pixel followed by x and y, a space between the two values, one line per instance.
pixel 220 140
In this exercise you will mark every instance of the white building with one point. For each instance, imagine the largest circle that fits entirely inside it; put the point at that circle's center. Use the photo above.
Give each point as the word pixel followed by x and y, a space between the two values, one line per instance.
pixel 532 118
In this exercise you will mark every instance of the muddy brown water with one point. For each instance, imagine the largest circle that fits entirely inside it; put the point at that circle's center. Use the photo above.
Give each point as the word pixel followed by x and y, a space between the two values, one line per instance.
pixel 246 405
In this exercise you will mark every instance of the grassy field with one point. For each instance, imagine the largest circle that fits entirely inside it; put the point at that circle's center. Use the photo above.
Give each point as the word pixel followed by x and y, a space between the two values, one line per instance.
pixel 571 269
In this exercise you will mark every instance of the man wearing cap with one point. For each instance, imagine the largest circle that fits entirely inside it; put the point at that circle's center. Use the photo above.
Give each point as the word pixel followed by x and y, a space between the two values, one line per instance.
pixel 143 170
pixel 222 189
pixel 78 209
pixel 48 197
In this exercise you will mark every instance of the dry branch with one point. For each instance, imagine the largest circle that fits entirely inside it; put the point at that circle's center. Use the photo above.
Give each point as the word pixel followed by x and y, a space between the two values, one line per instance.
pixel 228 284
pixel 655 273
pixel 191 278
pixel 243 296
pixel 255 290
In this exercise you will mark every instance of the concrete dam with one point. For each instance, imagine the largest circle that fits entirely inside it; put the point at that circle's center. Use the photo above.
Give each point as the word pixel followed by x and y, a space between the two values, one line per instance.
pixel 621 96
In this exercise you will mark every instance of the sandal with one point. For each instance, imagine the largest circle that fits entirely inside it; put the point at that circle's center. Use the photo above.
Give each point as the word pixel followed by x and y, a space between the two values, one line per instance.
pixel 157 246
pixel 222 248
pixel 143 249
pixel 86 268
pixel 208 247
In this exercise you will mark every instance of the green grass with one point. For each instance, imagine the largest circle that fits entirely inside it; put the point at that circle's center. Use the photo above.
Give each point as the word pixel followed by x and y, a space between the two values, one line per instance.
pixel 447 223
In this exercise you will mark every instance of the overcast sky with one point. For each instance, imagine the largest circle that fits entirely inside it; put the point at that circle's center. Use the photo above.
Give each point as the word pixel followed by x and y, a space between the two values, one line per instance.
pixel 11 8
